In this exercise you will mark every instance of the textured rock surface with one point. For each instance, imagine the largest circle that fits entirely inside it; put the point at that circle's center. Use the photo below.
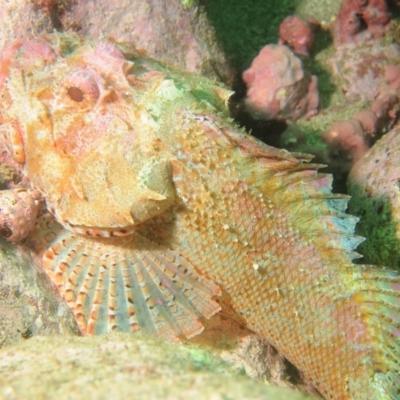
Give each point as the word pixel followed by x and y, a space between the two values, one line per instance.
pixel 122 366
pixel 191 44
pixel 361 68
pixel 28 305
pixel 297 34
pixel 358 21
pixel 278 87
pixel 167 30
pixel 325 11
pixel 20 18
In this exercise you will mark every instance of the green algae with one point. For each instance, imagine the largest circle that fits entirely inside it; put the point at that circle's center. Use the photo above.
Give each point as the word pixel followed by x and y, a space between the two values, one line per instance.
pixel 244 27
pixel 382 246
pixel 324 11
pixel 188 3
pixel 323 122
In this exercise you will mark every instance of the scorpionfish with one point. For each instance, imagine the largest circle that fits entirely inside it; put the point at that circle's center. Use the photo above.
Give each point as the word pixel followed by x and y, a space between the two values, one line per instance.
pixel 160 211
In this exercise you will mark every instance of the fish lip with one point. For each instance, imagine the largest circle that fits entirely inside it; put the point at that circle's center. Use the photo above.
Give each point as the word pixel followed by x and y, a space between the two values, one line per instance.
pixel 100 232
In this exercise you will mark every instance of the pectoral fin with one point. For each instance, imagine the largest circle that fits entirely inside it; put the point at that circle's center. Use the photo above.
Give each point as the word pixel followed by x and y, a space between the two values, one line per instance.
pixel 126 284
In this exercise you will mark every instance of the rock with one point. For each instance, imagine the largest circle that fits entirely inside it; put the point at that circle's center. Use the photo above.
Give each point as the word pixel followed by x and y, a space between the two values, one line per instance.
pixel 166 30
pixel 297 34
pixel 360 69
pixel 324 11
pixel 278 87
pixel 355 135
pixel 20 18
pixel 121 366
pixel 360 20
pixel 191 43
pixel 347 136
pixel 28 304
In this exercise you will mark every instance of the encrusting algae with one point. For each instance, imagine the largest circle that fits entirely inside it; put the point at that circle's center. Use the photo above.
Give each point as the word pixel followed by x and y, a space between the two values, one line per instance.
pixel 160 212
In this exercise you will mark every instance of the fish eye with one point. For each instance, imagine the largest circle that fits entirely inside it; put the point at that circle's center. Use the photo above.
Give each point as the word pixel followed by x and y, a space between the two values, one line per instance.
pixel 81 87
pixel 75 94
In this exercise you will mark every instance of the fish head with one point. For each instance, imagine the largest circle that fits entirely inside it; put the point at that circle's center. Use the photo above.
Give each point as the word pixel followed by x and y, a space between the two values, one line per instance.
pixel 80 117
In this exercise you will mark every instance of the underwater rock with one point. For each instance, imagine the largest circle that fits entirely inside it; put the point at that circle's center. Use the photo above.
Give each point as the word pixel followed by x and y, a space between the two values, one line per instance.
pixel 28 305
pixel 191 44
pixel 20 18
pixel 355 135
pixel 297 34
pixel 347 136
pixel 118 365
pixel 167 30
pixel 360 69
pixel 392 75
pixel 360 20
pixel 278 87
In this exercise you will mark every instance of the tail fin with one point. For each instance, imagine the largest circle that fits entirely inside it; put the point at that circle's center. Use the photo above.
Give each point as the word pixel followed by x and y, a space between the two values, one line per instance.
pixel 378 292
pixel 126 284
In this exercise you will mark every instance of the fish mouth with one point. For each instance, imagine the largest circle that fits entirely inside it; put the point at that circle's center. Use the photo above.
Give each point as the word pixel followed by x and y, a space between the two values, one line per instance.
pixel 100 232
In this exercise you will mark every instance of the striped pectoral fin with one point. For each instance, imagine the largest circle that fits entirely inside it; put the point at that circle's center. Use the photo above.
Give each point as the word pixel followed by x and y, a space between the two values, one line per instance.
pixel 128 284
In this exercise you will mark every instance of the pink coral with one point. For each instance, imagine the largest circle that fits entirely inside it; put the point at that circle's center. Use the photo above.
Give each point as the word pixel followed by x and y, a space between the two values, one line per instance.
pixel 392 76
pixel 278 87
pixel 297 34
pixel 386 107
pixel 347 136
pixel 355 136
pixel 386 104
pixel 368 120
pixel 359 20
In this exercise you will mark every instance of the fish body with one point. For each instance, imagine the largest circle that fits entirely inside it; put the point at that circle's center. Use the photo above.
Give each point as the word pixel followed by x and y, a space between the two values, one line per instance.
pixel 162 211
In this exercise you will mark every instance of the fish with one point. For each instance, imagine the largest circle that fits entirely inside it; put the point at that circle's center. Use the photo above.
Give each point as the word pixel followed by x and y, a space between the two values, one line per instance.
pixel 160 211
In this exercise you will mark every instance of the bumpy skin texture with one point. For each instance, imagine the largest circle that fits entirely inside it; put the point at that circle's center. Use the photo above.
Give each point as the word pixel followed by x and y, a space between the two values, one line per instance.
pixel 160 206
